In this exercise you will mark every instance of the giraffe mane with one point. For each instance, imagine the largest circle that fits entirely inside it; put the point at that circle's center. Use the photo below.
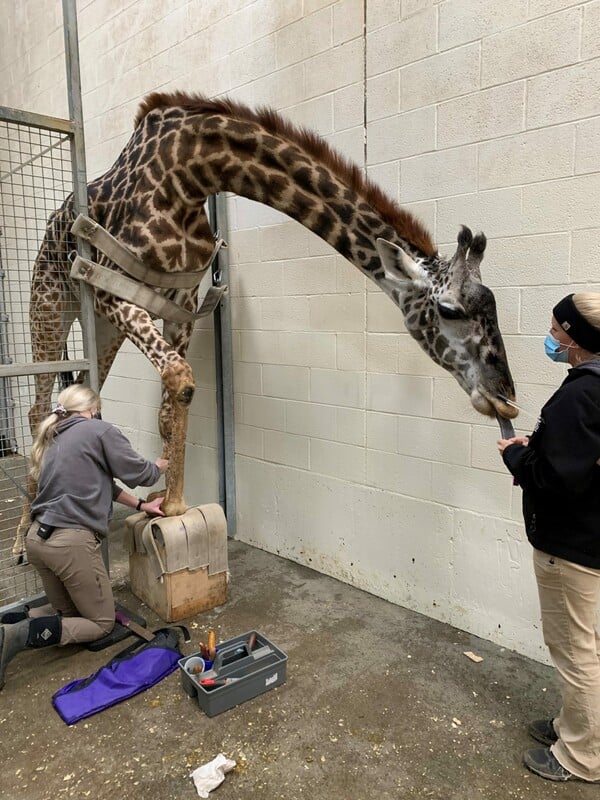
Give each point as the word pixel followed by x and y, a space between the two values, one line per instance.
pixel 407 226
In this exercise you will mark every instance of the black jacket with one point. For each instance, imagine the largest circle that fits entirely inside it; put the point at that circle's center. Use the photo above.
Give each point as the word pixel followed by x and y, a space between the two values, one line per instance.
pixel 559 472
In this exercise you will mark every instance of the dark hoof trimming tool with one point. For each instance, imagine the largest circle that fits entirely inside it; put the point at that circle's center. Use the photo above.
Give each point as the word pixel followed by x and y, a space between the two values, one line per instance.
pixel 506 427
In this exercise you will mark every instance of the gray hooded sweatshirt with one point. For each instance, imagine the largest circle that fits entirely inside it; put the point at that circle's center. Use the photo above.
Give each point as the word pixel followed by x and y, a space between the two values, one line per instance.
pixel 76 486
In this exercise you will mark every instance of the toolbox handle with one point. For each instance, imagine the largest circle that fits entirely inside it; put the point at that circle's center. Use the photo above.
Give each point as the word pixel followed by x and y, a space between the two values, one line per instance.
pixel 228 655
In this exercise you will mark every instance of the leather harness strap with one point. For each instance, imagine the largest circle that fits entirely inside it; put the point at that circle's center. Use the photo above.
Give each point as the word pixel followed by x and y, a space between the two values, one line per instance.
pixel 137 293
pixel 105 242
pixel 216 525
pixel 192 540
pixel 197 538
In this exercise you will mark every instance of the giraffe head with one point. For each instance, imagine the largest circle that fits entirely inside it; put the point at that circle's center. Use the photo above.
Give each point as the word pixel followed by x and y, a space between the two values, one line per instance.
pixel 452 315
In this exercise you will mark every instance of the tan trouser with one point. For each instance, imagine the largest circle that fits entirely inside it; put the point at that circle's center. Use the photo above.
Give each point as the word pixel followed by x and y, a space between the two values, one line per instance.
pixel 75 581
pixel 569 601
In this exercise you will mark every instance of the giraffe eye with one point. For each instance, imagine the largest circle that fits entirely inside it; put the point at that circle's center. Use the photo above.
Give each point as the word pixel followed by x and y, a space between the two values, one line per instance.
pixel 449 311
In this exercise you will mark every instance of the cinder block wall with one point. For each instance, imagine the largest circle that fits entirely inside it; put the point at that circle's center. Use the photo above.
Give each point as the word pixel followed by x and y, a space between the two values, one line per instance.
pixel 356 455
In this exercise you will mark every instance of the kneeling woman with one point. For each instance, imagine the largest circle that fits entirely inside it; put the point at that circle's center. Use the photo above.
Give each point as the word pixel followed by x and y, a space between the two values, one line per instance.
pixel 75 458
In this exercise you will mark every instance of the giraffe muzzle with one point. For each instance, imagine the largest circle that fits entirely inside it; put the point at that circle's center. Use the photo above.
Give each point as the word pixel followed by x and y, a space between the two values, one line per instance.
pixel 493 405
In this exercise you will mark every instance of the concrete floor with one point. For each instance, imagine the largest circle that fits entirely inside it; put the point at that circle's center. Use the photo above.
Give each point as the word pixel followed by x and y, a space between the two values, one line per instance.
pixel 379 703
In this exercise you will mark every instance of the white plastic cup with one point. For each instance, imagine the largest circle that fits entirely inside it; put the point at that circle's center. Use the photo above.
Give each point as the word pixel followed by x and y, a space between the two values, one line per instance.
pixel 195 665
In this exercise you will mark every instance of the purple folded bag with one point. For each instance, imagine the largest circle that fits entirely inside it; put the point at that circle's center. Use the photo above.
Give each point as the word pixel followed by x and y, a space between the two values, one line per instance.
pixel 138 667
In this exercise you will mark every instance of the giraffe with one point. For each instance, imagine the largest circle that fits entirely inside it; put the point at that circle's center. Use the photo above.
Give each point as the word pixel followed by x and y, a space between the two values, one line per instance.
pixel 187 147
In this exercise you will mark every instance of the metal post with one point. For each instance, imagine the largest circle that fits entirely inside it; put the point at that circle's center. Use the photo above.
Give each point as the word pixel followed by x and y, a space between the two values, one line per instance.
pixel 7 403
pixel 217 206
pixel 80 196
pixel 80 199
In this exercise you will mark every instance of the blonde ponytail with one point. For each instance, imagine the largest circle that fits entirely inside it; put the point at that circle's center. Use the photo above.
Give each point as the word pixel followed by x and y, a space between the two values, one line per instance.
pixel 72 400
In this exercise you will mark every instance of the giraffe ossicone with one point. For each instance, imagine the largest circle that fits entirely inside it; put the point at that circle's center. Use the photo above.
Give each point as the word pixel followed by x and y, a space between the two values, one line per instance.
pixel 185 148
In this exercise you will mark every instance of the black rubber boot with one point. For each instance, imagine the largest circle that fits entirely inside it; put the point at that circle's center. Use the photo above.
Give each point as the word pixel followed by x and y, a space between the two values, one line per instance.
pixel 38 632
pixel 44 631
pixel 14 616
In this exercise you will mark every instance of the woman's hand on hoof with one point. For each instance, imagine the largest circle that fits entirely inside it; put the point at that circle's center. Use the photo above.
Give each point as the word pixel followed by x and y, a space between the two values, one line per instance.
pixel 152 507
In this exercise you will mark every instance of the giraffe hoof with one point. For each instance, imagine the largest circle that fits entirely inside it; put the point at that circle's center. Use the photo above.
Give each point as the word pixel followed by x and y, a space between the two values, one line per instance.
pixel 174 508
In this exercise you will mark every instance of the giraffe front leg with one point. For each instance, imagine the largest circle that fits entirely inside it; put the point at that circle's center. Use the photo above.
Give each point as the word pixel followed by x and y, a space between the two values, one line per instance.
pixel 179 387
pixel 177 380
pixel 178 390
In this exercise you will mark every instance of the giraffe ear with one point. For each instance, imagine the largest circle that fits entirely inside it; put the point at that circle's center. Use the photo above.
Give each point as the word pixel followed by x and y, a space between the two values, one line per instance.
pixel 397 264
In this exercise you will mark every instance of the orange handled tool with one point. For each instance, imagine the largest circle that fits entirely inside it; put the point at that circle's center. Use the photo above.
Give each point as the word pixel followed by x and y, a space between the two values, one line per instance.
pixel 212 645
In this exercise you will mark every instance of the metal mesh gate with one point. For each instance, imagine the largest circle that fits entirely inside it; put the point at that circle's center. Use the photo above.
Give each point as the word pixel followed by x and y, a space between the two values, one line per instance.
pixel 36 174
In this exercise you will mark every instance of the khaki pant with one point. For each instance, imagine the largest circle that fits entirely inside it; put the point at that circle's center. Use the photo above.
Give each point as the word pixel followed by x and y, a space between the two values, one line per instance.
pixel 569 601
pixel 75 581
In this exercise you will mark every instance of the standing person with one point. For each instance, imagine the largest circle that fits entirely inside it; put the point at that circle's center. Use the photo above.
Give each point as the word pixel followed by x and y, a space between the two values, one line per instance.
pixel 74 459
pixel 558 468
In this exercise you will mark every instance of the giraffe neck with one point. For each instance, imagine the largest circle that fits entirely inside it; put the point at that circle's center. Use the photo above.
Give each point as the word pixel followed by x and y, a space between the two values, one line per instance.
pixel 225 154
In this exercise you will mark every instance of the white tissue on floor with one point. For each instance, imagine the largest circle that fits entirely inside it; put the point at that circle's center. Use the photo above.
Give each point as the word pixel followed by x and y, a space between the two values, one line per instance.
pixel 209 776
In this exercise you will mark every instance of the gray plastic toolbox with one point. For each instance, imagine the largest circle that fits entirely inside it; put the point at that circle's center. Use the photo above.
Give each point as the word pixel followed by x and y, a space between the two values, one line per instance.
pixel 253 672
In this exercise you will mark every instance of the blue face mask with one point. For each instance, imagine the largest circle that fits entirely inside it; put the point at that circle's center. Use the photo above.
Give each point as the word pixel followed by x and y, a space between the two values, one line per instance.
pixel 552 345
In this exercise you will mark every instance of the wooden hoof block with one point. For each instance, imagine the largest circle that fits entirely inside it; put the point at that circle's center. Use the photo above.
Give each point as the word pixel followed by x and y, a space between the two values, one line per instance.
pixel 178 565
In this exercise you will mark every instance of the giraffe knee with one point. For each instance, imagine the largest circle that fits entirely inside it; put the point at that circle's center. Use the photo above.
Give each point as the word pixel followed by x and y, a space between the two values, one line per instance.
pixel 186 395
pixel 179 383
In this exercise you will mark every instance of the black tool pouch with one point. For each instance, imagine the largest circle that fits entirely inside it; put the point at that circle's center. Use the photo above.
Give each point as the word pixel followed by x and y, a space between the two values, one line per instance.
pixel 45 531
